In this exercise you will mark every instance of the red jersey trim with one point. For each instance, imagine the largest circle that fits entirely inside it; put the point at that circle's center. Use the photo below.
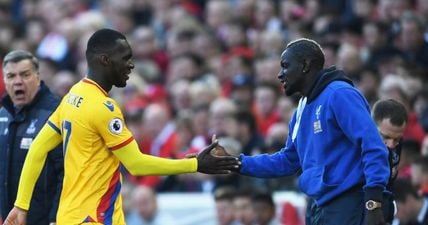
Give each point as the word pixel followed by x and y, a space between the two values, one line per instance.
pixel 89 81
pixel 116 147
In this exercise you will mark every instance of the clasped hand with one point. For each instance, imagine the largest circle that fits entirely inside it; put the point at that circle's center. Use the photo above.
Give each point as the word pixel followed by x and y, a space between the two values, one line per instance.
pixel 215 160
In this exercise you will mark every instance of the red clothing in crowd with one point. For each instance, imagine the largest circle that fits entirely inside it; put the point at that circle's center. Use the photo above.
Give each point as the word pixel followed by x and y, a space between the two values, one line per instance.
pixel 165 147
pixel 414 130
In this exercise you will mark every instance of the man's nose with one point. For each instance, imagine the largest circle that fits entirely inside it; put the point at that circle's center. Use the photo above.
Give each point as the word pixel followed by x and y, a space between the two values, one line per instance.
pixel 17 80
pixel 390 143
pixel 280 75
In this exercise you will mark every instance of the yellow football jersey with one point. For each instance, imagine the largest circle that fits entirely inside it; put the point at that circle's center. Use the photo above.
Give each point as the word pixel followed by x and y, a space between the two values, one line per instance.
pixel 91 125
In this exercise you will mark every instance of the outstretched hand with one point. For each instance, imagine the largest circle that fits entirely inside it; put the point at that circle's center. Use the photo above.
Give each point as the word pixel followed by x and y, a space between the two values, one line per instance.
pixel 16 216
pixel 215 163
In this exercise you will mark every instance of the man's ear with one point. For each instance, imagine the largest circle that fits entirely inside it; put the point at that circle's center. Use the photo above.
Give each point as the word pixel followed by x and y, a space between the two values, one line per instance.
pixel 104 59
pixel 306 66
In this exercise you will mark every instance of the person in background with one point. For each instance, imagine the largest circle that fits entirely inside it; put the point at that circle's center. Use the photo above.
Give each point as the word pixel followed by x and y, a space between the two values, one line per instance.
pixel 412 207
pixel 390 117
pixel 223 198
pixel 264 209
pixel 145 210
pixel 242 207
pixel 97 142
pixel 419 174
pixel 26 107
pixel 333 142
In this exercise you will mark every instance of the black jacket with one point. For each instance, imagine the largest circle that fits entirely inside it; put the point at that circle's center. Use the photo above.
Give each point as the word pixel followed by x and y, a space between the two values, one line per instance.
pixel 17 131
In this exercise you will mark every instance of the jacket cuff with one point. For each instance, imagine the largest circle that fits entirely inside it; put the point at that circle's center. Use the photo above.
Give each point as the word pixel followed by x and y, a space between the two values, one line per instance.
pixel 374 194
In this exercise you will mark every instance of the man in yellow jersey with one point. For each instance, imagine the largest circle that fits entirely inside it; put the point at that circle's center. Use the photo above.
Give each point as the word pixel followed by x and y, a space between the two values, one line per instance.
pixel 95 140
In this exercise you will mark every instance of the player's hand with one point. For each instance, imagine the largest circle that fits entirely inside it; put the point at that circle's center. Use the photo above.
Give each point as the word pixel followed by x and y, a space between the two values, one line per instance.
pixel 16 216
pixel 375 217
pixel 218 150
pixel 212 164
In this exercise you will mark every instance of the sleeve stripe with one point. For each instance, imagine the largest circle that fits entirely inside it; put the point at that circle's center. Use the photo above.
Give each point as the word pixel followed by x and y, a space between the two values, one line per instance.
pixel 116 147
pixel 54 127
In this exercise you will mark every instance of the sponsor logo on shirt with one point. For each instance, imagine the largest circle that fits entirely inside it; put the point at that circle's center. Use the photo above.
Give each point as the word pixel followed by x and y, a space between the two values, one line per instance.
pixel 109 105
pixel 25 143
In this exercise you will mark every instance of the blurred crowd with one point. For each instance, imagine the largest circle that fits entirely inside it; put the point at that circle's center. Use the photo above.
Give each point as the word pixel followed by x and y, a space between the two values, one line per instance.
pixel 206 67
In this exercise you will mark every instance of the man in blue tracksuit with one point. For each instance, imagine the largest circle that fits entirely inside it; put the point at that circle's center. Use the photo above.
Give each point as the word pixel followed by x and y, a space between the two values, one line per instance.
pixel 332 140
pixel 26 107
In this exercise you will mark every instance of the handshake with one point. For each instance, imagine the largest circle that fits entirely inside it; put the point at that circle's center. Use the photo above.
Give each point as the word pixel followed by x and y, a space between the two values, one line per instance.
pixel 214 159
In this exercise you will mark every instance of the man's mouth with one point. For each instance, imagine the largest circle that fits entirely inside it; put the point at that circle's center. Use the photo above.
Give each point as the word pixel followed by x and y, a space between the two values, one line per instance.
pixel 284 84
pixel 127 74
pixel 19 94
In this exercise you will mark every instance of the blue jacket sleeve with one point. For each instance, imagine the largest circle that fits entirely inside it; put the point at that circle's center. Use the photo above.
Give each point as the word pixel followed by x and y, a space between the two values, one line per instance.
pixel 282 163
pixel 353 116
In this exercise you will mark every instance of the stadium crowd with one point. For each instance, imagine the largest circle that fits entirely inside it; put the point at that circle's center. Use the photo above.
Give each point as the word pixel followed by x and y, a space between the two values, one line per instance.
pixel 206 67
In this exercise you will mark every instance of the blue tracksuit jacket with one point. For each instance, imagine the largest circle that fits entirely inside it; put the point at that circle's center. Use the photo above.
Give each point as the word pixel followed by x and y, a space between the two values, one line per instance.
pixel 337 145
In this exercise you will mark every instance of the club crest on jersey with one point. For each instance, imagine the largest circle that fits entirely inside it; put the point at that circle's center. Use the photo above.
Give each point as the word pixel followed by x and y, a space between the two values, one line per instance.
pixel 115 126
pixel 32 128
pixel 109 105
pixel 317 123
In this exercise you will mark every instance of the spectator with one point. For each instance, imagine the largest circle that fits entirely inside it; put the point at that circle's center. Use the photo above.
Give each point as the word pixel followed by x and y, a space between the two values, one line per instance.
pixel 62 82
pixel 223 197
pixel 159 139
pixel 419 174
pixel 247 134
pixel 26 107
pixel 264 209
pixel 265 101
pixel 412 208
pixel 222 118
pixel 145 209
pixel 242 92
pixel 412 41
pixel 411 150
pixel 244 213
pixel 390 117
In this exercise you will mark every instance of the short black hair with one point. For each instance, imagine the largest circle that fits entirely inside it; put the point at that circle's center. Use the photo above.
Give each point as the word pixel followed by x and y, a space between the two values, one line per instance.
pixel 402 188
pixel 224 193
pixel 305 48
pixel 265 197
pixel 19 55
pixel 389 109
pixel 102 41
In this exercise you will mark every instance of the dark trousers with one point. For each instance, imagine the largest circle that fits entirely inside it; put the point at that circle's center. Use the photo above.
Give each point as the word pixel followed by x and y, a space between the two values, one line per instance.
pixel 347 208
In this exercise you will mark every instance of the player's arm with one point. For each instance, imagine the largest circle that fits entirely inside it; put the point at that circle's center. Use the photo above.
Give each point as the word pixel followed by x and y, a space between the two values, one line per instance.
pixel 140 164
pixel 46 140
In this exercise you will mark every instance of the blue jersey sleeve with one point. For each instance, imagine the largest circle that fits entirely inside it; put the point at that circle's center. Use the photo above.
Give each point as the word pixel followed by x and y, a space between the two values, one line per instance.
pixel 282 163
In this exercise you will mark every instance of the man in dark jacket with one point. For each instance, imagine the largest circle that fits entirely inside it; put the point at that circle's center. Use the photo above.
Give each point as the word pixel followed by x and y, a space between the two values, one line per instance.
pixel 26 107
pixel 332 141
pixel 390 117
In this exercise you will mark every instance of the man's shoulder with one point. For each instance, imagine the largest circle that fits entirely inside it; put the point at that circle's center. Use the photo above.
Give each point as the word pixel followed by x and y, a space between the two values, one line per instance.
pixel 338 84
